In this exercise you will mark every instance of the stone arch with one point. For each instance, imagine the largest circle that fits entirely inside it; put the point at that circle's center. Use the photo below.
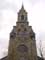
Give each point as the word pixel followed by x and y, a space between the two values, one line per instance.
pixel 22 48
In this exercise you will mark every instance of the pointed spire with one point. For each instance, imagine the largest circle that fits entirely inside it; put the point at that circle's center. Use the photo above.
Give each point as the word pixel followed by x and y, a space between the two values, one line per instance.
pixel 22 7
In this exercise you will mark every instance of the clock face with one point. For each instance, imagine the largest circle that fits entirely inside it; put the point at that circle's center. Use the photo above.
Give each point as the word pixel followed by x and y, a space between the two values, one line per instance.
pixel 22 48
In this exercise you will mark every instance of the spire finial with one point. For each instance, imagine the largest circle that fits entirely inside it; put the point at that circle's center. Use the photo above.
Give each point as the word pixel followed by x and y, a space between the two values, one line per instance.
pixel 22 6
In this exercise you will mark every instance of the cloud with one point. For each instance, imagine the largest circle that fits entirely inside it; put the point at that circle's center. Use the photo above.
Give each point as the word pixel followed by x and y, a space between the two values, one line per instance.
pixel 3 47
pixel 7 4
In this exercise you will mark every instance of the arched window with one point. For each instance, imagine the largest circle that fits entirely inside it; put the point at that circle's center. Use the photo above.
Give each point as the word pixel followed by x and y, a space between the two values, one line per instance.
pixel 19 30
pixel 22 17
pixel 25 29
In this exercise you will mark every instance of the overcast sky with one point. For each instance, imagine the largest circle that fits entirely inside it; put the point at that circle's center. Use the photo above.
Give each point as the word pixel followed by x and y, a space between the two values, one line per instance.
pixel 8 18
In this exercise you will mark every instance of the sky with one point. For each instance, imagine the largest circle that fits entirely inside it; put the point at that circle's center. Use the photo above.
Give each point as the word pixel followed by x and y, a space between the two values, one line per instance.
pixel 8 18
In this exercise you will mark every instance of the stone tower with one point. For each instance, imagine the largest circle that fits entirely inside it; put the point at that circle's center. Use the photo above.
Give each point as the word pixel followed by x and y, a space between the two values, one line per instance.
pixel 22 43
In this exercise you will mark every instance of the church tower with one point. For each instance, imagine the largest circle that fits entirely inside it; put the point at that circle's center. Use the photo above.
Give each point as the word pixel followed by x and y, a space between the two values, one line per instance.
pixel 22 43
